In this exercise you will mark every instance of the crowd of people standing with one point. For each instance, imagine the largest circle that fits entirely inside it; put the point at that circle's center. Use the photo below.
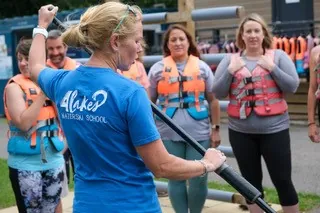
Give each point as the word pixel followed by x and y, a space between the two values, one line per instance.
pixel 98 114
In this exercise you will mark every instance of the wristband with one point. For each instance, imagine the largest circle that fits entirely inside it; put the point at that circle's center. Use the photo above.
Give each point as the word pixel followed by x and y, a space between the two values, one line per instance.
pixel 39 30
pixel 215 127
pixel 205 167
pixel 311 123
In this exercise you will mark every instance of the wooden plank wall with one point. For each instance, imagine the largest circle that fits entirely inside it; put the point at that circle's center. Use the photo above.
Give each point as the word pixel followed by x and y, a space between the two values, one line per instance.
pixel 316 13
pixel 298 103
pixel 263 7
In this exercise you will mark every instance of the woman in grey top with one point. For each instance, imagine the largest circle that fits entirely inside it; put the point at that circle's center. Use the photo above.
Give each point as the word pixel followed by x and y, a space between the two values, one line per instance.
pixel 180 83
pixel 255 81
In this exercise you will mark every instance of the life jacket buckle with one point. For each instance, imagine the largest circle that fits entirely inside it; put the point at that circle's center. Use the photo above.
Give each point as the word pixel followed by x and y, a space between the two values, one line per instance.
pixel 47 103
pixel 250 92
pixel 183 105
pixel 251 103
pixel 247 80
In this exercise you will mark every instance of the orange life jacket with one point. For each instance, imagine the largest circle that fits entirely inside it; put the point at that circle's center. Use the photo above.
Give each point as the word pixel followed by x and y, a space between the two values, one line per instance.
pixel 31 141
pixel 301 48
pixel 277 43
pixel 186 90
pixel 69 64
pixel 286 45
pixel 292 42
pixel 133 73
pixel 255 90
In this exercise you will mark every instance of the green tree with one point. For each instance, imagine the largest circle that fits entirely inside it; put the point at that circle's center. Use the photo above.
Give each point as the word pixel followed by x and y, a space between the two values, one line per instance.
pixel 12 8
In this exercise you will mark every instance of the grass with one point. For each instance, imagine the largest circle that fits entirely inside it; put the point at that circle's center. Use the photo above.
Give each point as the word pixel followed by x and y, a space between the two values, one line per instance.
pixel 6 194
pixel 3 120
pixel 308 201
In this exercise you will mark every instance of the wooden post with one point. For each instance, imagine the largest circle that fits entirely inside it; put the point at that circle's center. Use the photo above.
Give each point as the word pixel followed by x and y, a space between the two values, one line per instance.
pixel 187 6
pixel 183 16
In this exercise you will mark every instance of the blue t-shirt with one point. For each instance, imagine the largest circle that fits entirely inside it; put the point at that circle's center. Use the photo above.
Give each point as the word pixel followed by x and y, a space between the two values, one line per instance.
pixel 104 117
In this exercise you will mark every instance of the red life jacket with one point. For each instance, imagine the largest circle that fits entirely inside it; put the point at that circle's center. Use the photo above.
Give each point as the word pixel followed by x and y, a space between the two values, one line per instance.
pixel 133 73
pixel 255 90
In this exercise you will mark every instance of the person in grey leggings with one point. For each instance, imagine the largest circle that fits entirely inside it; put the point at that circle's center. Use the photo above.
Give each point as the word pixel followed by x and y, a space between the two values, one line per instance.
pixel 180 49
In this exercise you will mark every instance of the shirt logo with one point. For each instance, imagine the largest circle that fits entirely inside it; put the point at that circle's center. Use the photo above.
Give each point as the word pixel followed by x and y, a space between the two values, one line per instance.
pixel 71 102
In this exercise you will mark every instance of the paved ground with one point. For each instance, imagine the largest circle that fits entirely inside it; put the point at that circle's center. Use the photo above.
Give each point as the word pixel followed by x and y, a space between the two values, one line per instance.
pixel 305 158
pixel 305 161
pixel 210 206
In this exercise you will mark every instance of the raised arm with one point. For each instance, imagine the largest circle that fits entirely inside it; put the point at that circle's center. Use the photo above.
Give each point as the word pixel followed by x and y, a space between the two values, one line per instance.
pixel 37 55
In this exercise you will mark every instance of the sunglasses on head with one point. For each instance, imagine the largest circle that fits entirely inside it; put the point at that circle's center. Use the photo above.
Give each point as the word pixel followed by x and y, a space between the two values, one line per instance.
pixel 129 9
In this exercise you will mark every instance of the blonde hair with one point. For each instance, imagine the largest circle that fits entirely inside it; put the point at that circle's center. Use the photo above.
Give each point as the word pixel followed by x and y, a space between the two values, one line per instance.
pixel 99 22
pixel 267 41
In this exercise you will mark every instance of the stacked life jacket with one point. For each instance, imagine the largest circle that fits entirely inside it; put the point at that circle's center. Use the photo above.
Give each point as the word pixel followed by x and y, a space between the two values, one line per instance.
pixel 283 43
pixel 277 43
pixel 300 53
pixel 69 64
pixel 256 91
pixel 292 54
pixel 43 133
pixel 286 45
pixel 184 91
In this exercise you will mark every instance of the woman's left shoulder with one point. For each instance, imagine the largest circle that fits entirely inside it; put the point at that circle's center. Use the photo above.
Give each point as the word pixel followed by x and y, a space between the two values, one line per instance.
pixel 204 66
pixel 280 55
pixel 203 63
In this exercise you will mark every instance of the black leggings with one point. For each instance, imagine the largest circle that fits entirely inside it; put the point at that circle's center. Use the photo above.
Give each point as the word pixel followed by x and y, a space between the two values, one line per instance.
pixel 67 159
pixel 275 149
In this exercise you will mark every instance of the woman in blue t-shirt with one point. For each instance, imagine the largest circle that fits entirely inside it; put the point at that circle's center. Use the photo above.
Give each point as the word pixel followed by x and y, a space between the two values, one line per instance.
pixel 107 118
